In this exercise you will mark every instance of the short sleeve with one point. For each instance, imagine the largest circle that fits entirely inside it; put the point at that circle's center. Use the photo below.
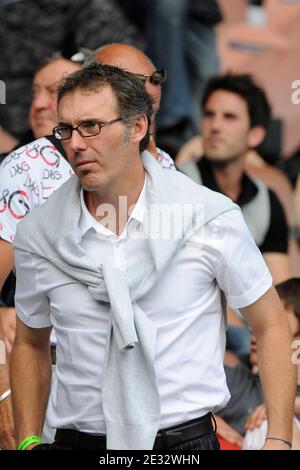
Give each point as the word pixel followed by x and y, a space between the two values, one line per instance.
pixel 241 272
pixel 32 303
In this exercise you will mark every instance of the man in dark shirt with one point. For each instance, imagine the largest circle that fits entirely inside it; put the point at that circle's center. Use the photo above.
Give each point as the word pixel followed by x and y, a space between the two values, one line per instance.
pixel 236 113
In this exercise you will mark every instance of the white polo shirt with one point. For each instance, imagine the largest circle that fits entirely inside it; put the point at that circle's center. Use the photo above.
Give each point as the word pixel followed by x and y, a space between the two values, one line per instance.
pixel 184 305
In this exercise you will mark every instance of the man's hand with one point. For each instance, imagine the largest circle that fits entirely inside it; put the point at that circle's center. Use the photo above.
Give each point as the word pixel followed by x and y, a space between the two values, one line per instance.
pixel 227 432
pixel 8 318
pixel 30 385
pixel 7 430
pixel 256 419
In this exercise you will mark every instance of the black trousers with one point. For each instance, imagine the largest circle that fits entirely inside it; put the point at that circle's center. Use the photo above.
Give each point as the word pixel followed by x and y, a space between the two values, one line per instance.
pixel 206 442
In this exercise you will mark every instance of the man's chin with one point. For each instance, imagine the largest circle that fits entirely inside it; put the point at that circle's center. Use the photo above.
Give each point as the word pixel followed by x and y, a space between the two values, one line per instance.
pixel 88 183
pixel 221 162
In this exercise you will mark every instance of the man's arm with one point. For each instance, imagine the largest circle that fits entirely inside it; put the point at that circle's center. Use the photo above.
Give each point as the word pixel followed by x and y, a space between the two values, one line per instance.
pixel 30 379
pixel 7 315
pixel 279 265
pixel 278 375
pixel 6 260
pixel 7 439
pixel 228 432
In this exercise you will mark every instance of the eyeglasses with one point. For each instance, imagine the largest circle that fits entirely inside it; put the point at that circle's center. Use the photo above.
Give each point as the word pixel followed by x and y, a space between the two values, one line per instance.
pixel 85 129
pixel 158 77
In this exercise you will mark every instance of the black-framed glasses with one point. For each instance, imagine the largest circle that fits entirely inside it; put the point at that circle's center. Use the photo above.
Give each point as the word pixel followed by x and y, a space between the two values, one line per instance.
pixel 85 129
pixel 158 77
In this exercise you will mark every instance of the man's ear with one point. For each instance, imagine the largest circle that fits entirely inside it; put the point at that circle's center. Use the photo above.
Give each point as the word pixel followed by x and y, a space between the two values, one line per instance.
pixel 256 136
pixel 139 128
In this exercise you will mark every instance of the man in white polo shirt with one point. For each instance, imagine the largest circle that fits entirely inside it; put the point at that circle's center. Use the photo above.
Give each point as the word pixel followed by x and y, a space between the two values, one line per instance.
pixel 137 311
pixel 30 174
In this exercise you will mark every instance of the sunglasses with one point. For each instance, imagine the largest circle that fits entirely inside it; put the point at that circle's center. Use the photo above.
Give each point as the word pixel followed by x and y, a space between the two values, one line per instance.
pixel 83 56
pixel 158 77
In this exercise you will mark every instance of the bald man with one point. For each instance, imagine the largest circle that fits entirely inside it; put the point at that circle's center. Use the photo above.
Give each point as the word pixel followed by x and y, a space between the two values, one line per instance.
pixel 135 61
pixel 123 56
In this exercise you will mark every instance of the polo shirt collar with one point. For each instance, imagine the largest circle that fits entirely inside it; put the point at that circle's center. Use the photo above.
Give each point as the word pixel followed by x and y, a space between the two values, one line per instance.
pixel 87 221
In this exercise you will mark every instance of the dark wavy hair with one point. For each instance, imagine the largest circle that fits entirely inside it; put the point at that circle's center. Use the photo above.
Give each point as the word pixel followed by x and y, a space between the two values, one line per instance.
pixel 133 100
pixel 243 85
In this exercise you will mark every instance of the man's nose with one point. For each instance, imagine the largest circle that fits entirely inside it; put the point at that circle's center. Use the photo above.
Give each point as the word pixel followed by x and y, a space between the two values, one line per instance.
pixel 77 142
pixel 216 123
pixel 43 100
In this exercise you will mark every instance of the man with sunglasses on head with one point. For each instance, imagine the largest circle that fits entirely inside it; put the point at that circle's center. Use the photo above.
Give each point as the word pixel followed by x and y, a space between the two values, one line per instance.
pixel 139 362
pixel 45 170
pixel 135 61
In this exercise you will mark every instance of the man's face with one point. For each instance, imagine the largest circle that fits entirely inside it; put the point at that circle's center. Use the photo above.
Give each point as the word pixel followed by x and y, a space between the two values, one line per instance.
pixel 100 161
pixel 43 113
pixel 225 126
